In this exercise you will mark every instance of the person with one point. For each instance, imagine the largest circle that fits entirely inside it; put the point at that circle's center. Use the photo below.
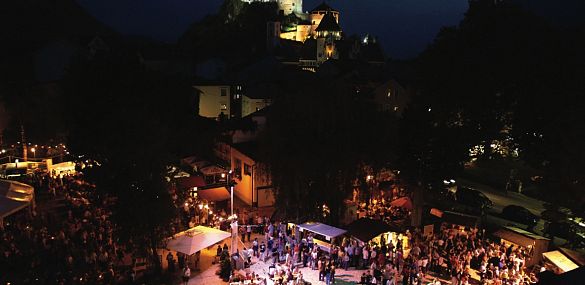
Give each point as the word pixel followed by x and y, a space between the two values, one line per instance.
pixel 332 272
pixel 262 251
pixel 186 275
pixel 364 279
pixel 243 233
pixel 255 247
pixel 171 262
pixel 218 254
pixel 249 231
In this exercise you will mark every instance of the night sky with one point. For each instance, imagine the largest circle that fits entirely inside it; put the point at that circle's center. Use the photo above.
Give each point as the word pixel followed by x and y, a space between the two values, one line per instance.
pixel 404 27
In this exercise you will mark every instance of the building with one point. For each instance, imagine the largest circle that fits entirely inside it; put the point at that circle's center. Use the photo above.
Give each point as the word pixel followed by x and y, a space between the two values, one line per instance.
pixel 214 100
pixel 226 101
pixel 252 177
pixel 390 96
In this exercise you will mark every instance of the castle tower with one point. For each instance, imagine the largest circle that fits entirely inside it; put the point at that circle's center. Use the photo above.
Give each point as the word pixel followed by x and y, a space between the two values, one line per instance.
pixel 291 6
pixel 317 14
pixel 327 34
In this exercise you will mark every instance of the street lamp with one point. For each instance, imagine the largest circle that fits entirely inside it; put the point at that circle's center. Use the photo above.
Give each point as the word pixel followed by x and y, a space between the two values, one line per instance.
pixel 234 224
pixel 34 152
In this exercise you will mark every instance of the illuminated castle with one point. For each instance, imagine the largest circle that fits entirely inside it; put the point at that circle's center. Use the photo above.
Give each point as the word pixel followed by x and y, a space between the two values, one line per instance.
pixel 317 31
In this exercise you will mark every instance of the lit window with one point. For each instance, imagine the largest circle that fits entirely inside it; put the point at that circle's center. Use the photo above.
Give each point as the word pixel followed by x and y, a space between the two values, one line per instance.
pixel 389 93
pixel 223 107
pixel 395 109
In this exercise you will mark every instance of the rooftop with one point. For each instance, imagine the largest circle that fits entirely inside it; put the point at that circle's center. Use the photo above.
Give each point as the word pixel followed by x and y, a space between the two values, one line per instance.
pixel 323 7
pixel 328 23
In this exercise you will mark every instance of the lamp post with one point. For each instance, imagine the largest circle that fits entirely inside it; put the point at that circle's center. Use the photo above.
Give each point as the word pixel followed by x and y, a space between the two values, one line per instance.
pixel 234 223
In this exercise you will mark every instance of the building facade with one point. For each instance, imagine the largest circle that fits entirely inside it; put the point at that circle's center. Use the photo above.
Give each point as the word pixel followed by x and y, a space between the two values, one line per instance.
pixel 252 178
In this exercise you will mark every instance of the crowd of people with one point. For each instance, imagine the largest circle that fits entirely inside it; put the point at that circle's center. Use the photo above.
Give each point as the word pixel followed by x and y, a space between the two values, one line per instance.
pixel 449 255
pixel 72 244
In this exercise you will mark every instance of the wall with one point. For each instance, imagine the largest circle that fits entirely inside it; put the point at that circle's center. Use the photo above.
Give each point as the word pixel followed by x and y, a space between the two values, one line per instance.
pixel 250 105
pixel 290 6
pixel 391 97
pixel 244 182
pixel 247 185
pixel 211 101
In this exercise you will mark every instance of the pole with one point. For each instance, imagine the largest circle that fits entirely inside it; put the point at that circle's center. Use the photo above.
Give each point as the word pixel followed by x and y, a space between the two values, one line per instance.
pixel 234 224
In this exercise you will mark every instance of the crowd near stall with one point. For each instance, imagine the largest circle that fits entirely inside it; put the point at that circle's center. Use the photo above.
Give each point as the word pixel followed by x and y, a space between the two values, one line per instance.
pixel 77 243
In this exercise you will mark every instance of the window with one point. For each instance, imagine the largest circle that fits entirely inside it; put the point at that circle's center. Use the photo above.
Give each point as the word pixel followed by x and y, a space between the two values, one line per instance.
pixel 238 168
pixel 247 169
pixel 223 92
pixel 389 93
pixel 223 107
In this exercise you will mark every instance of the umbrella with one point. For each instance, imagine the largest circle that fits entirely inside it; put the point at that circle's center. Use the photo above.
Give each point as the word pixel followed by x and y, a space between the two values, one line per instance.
pixel 403 202
pixel 196 239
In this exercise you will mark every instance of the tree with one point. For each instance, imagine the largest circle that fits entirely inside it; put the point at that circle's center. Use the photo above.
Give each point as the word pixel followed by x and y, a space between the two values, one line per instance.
pixel 136 123
pixel 319 133
pixel 506 75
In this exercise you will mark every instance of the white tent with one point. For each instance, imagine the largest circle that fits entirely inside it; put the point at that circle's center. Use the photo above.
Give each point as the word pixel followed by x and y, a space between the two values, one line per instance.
pixel 196 239
pixel 322 229
pixel 560 260
pixel 13 197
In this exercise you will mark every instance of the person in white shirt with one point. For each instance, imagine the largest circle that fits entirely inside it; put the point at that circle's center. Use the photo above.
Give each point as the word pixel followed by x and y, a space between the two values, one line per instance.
pixel 186 275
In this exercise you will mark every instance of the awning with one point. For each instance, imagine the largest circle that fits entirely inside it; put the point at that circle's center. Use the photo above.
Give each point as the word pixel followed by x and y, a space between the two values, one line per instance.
pixel 460 219
pixel 518 236
pixel 560 260
pixel 196 239
pixel 403 202
pixel 575 256
pixel 14 196
pixel 322 229
pixel 366 229
pixel 9 206
pixel 190 182
pixel 214 194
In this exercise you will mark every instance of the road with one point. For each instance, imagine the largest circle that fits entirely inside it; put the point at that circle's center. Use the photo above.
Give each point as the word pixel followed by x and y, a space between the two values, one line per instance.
pixel 502 199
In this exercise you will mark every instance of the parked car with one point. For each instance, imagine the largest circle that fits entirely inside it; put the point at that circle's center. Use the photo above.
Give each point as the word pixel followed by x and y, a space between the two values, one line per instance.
pixel 553 215
pixel 562 229
pixel 519 214
pixel 472 197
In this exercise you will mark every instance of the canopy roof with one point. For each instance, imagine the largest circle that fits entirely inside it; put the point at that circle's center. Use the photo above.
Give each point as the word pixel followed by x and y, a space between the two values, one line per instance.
pixel 190 182
pixel 322 229
pixel 14 196
pixel 560 260
pixel 214 194
pixel 366 229
pixel 196 239
pixel 460 219
pixel 518 236
pixel 403 202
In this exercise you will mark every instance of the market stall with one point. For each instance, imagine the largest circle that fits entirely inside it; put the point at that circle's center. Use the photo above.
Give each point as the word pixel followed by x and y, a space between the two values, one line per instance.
pixel 375 231
pixel 535 244
pixel 14 196
pixel 324 234
pixel 558 262
pixel 192 241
